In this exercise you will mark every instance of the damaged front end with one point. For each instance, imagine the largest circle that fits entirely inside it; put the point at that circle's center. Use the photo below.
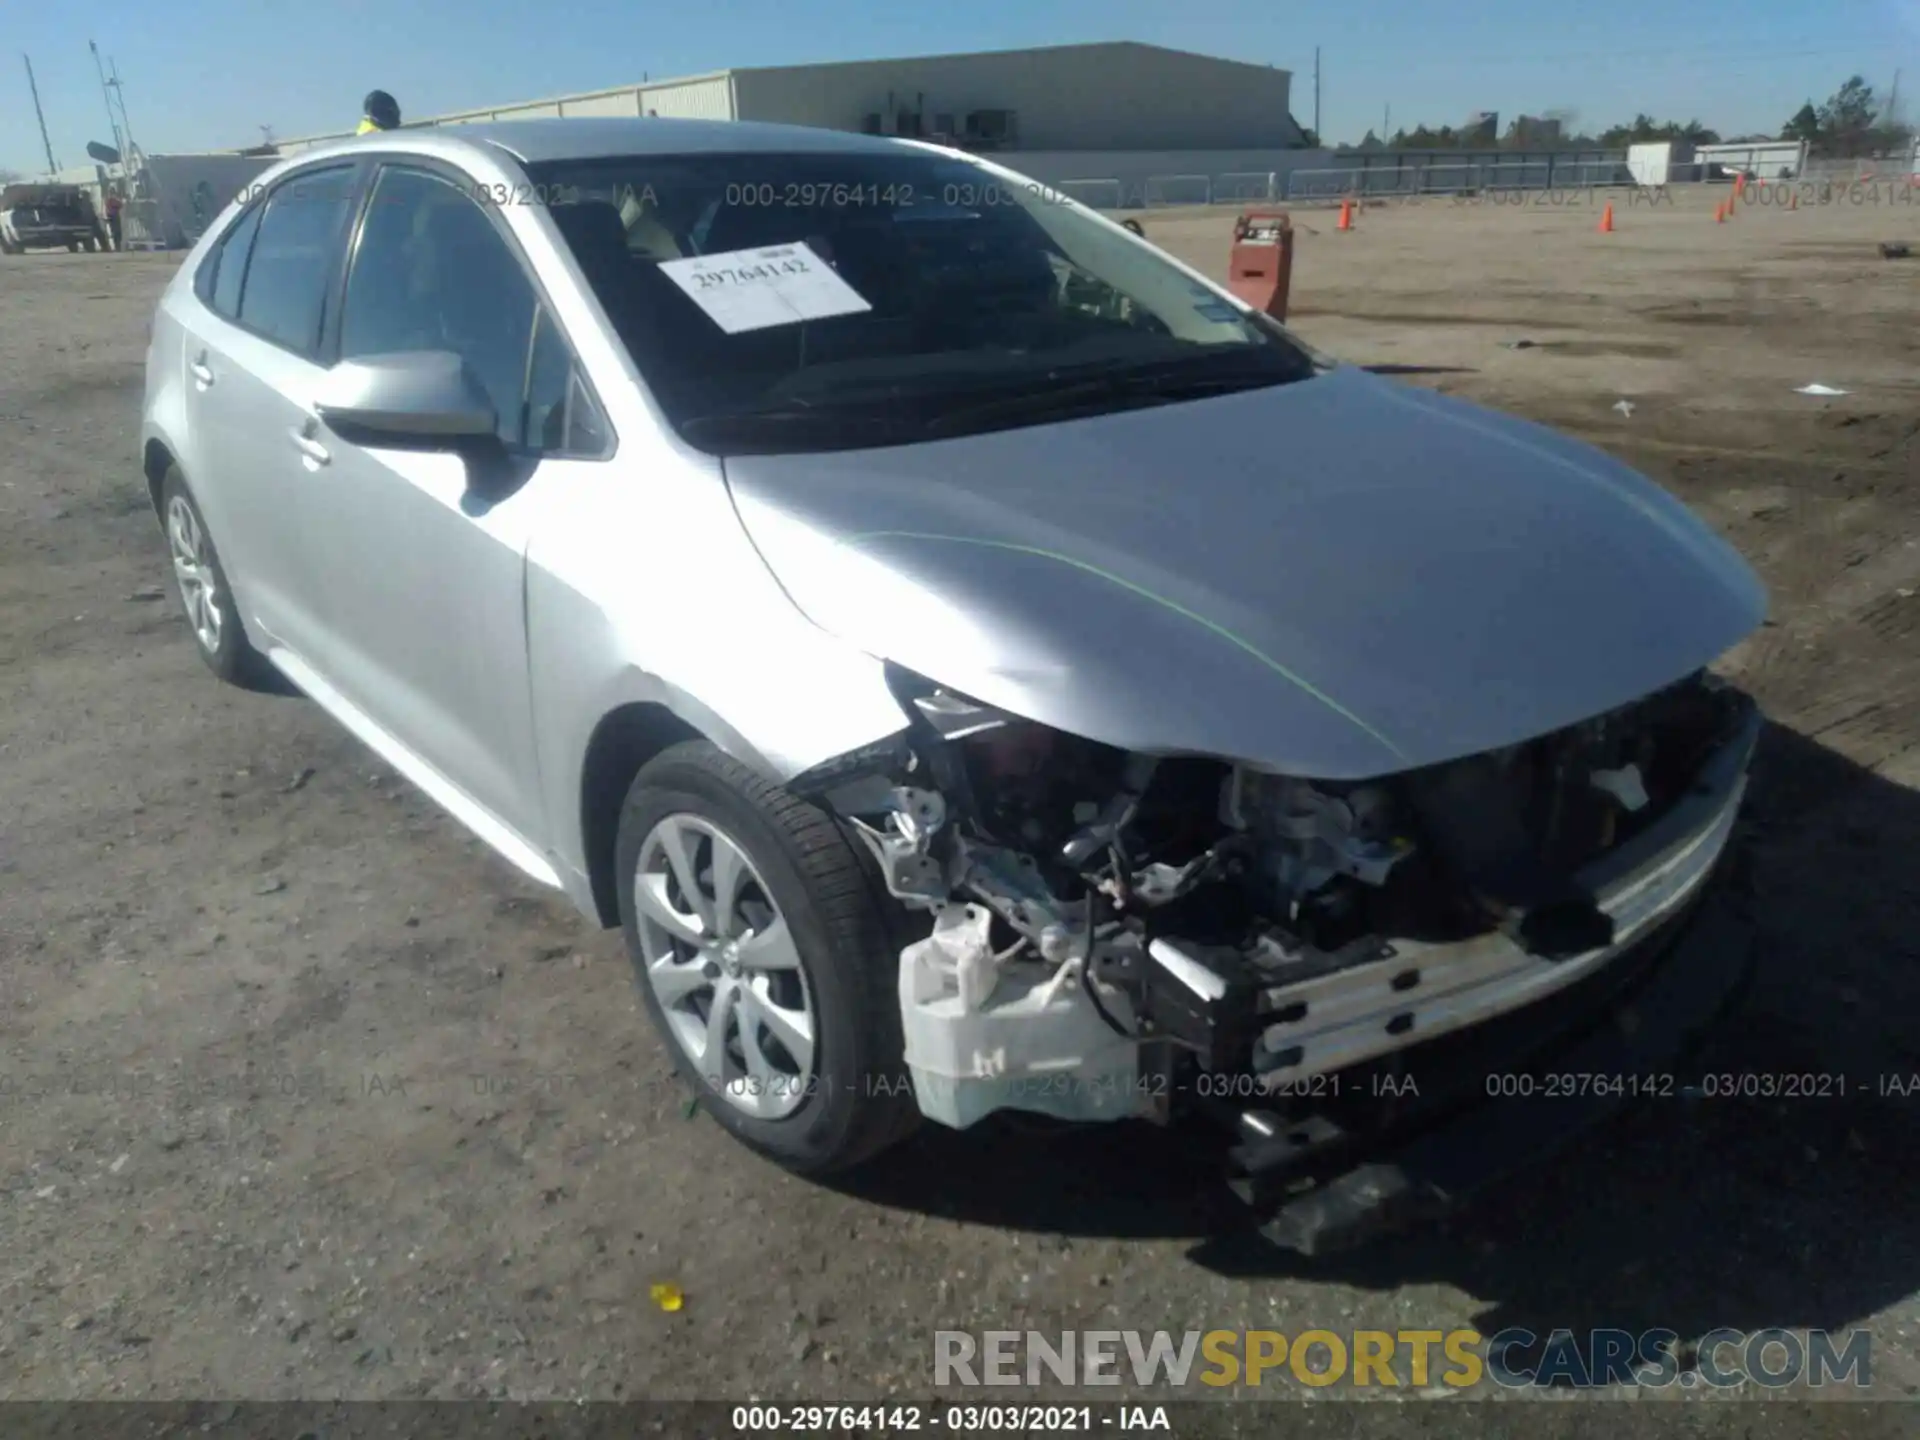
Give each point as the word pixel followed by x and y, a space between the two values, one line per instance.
pixel 1116 935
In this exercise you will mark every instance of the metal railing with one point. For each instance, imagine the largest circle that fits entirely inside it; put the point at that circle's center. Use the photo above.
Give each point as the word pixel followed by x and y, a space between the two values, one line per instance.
pixel 1384 181
pixel 1161 191
pixel 1244 188
pixel 1330 185
pixel 1094 194
pixel 141 227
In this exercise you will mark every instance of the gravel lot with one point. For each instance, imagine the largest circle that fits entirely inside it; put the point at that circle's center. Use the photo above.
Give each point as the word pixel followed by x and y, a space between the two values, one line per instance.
pixel 303 1094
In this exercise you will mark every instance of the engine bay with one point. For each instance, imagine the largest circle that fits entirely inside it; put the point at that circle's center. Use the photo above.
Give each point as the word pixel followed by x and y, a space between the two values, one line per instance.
pixel 1089 905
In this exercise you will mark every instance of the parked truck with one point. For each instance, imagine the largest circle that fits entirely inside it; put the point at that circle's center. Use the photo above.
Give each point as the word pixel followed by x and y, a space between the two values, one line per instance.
pixel 40 217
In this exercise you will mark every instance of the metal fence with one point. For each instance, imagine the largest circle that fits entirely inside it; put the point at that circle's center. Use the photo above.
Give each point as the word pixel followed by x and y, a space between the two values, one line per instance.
pixel 141 226
pixel 1382 181
pixel 1094 194
pixel 1849 172
pixel 1161 191
pixel 1240 189
pixel 1373 181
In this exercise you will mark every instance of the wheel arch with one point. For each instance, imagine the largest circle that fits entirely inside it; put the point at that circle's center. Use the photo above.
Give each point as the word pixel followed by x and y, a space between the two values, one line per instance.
pixel 625 739
pixel 155 460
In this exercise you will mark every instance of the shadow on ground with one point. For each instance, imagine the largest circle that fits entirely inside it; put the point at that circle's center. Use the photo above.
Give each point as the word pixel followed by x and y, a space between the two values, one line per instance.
pixel 1687 1215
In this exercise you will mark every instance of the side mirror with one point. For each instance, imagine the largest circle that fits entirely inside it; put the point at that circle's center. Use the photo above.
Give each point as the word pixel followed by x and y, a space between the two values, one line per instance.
pixel 415 399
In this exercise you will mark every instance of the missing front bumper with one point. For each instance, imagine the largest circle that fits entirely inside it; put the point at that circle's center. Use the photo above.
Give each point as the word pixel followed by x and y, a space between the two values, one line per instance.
pixel 1524 1088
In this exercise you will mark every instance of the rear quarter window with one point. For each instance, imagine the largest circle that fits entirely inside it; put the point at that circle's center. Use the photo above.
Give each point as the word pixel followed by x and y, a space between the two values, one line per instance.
pixel 226 268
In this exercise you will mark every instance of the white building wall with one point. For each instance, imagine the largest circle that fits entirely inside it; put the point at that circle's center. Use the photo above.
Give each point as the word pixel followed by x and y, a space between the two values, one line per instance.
pixel 1774 160
pixel 704 97
pixel 623 102
pixel 1122 96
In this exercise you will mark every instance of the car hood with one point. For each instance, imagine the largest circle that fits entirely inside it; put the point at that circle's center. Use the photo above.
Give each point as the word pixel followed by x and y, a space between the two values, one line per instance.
pixel 1337 578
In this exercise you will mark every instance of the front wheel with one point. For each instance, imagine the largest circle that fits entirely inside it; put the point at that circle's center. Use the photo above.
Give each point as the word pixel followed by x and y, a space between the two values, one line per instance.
pixel 764 957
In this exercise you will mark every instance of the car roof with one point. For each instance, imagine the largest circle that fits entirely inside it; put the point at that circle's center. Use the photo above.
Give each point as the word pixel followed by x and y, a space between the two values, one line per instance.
pixel 533 142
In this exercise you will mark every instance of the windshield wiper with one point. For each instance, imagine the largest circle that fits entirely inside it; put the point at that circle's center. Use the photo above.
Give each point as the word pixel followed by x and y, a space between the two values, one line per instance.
pixel 779 423
pixel 1131 386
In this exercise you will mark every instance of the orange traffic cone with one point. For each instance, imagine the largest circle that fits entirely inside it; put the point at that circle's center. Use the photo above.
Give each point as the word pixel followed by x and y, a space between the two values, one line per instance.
pixel 1793 201
pixel 1606 219
pixel 1720 213
pixel 1346 215
pixel 1740 185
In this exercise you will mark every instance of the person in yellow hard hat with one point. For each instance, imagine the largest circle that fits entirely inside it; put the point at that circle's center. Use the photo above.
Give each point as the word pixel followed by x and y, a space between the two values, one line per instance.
pixel 379 111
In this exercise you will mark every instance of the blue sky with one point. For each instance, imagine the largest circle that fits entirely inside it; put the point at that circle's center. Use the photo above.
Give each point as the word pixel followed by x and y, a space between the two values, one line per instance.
pixel 206 74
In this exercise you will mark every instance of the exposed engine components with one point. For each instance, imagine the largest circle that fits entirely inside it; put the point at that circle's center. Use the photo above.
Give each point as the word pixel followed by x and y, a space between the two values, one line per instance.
pixel 1094 913
pixel 911 872
pixel 1316 835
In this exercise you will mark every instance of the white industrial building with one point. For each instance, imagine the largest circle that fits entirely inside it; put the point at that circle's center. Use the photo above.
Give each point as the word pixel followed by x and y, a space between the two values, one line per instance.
pixel 1764 159
pixel 1118 96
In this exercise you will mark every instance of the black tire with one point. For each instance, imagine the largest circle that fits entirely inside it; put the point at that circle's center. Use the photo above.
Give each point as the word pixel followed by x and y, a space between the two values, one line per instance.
pixel 858 1102
pixel 234 659
pixel 73 247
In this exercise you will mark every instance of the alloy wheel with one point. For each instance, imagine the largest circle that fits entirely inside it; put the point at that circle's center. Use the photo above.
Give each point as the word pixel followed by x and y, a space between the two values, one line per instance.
pixel 723 965
pixel 193 568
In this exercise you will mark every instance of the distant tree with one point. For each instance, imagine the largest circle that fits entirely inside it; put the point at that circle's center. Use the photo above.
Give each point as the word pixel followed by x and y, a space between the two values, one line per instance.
pixel 1804 126
pixel 1551 131
pixel 1849 112
pixel 1645 130
pixel 1423 138
pixel 1851 123
pixel 8 177
pixel 1371 141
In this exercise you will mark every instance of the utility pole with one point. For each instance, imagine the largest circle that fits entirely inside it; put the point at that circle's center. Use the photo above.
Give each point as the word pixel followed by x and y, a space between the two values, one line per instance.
pixel 1316 97
pixel 106 94
pixel 120 94
pixel 1386 125
pixel 53 166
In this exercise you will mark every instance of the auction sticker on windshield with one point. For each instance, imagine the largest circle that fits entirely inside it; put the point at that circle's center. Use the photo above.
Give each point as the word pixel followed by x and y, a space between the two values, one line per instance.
pixel 755 289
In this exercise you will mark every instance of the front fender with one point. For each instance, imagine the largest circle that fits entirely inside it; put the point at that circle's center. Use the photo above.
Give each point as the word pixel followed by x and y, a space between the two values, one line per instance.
pixel 663 601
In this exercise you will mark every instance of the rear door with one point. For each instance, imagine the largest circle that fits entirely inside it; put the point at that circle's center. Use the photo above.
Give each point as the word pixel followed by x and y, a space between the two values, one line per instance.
pixel 425 614
pixel 251 353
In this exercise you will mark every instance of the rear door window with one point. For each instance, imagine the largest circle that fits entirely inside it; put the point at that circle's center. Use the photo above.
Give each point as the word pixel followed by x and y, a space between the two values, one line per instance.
pixel 284 297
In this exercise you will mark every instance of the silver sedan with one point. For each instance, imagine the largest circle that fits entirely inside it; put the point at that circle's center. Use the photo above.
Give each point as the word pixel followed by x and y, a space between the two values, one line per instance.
pixel 980 663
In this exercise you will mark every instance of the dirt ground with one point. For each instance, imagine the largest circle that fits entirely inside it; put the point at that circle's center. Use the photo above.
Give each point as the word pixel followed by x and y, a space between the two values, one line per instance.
pixel 303 1094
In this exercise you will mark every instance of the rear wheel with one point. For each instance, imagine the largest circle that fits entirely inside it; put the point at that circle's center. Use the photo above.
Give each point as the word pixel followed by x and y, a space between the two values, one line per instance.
pixel 765 959
pixel 204 593
pixel 73 247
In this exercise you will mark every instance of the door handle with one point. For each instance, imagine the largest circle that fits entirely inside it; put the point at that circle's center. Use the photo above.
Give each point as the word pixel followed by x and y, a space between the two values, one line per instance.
pixel 315 453
pixel 202 373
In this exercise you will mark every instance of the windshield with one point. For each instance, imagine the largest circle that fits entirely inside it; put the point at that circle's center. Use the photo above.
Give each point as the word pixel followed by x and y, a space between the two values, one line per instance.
pixel 807 301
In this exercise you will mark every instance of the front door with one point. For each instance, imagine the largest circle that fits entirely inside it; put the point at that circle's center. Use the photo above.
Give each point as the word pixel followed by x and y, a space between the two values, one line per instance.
pixel 425 611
